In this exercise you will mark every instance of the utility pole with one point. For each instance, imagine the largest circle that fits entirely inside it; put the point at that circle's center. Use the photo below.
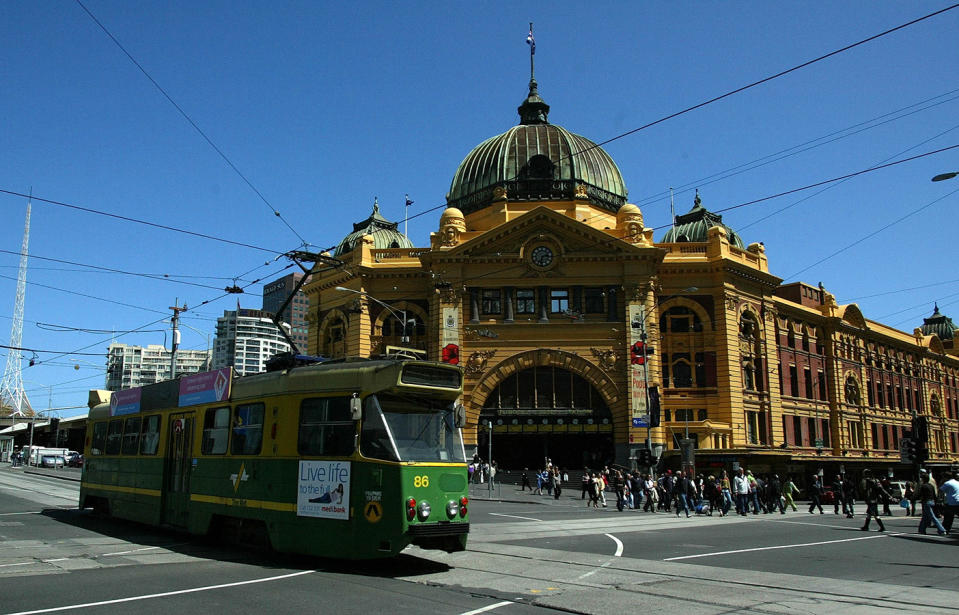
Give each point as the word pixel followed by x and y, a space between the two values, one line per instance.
pixel 176 337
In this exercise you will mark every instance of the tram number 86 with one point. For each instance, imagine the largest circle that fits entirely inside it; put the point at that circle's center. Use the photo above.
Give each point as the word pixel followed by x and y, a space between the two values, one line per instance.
pixel 421 481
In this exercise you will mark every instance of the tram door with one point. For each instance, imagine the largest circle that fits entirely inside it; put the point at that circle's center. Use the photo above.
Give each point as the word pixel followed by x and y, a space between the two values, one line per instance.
pixel 176 479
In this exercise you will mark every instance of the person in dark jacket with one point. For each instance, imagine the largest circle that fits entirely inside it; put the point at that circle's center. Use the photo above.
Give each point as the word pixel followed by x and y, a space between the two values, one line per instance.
pixel 815 494
pixel 848 496
pixel 927 497
pixel 774 491
pixel 872 492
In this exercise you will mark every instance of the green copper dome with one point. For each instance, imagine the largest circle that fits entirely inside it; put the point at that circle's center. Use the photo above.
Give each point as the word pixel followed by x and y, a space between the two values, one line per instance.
pixel 537 161
pixel 384 233
pixel 694 226
pixel 939 324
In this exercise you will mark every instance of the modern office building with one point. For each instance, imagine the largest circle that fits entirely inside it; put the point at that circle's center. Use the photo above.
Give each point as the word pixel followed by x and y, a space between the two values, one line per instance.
pixel 134 366
pixel 275 293
pixel 246 340
pixel 568 317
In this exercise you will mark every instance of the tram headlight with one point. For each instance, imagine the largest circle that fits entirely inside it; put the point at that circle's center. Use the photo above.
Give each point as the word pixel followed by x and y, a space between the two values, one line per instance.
pixel 410 509
pixel 452 507
pixel 423 511
pixel 464 501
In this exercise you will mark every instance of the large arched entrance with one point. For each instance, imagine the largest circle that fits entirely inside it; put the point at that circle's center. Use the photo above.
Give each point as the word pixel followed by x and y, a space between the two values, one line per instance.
pixel 546 411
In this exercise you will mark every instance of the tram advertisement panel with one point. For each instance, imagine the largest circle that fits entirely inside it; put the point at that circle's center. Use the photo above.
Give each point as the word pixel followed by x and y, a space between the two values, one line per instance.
pixel 323 489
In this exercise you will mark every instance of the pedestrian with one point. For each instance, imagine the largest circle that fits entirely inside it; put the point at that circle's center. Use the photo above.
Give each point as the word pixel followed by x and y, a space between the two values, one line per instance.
pixel 950 500
pixel 683 490
pixel 815 495
pixel 586 483
pixel 926 494
pixel 548 481
pixel 526 480
pixel 539 483
pixel 848 496
pixel 910 497
pixel 651 491
pixel 557 483
pixel 775 495
pixel 837 492
pixel 601 481
pixel 727 491
pixel 872 492
pixel 788 490
pixel 669 483
pixel 887 488
pixel 594 490
pixel 741 489
pixel 753 491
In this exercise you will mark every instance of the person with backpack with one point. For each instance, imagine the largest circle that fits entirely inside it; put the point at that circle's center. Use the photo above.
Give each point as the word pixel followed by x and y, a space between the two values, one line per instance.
pixel 872 491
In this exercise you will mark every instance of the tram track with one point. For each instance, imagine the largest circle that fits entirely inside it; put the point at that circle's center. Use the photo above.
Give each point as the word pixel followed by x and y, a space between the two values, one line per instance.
pixel 508 569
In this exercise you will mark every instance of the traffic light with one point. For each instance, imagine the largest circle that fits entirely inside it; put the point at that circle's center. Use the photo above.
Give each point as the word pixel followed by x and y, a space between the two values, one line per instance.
pixel 920 435
pixel 907 450
pixel 644 457
pixel 654 409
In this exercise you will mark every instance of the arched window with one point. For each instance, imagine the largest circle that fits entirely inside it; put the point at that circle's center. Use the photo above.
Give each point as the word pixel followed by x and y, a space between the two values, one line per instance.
pixel 334 339
pixel 680 319
pixel 546 390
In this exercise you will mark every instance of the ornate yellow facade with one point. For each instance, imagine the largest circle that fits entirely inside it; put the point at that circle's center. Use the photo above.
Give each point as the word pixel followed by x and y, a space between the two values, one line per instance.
pixel 540 281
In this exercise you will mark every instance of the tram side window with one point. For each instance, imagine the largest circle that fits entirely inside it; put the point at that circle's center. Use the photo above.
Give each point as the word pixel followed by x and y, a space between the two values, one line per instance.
pixel 114 437
pixel 247 429
pixel 131 435
pixel 99 438
pixel 150 438
pixel 216 431
pixel 326 427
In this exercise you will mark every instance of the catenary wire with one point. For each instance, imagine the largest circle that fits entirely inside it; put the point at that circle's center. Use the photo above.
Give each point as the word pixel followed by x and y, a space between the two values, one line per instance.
pixel 200 131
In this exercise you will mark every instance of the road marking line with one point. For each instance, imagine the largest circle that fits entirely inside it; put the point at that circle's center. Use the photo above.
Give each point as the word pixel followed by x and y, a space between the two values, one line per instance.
pixel 516 517
pixel 17 564
pixel 32 512
pixel 482 610
pixel 619 545
pixel 805 544
pixel 594 571
pixel 130 551
pixel 163 594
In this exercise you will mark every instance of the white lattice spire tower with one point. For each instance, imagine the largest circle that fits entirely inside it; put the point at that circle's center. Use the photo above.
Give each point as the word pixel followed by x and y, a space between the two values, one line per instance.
pixel 11 390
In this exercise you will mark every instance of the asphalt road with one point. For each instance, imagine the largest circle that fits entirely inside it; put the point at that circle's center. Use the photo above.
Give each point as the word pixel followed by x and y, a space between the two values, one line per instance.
pixel 526 552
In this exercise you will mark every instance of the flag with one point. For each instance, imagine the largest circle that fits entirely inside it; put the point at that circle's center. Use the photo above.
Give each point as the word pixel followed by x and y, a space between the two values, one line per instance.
pixel 409 201
pixel 531 41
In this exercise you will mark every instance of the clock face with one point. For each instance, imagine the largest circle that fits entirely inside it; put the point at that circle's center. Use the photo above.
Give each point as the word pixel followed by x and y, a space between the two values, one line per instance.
pixel 541 256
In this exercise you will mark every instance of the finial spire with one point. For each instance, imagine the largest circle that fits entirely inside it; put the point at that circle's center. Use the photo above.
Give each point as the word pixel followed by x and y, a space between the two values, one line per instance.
pixel 376 205
pixel 697 202
pixel 534 109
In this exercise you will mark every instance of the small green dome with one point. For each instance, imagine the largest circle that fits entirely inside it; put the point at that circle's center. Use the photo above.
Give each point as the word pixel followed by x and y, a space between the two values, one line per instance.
pixel 537 161
pixel 694 226
pixel 384 233
pixel 938 324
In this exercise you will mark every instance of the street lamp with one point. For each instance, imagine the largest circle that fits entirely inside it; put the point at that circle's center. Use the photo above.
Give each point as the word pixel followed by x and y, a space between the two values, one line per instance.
pixel 398 314
pixel 945 176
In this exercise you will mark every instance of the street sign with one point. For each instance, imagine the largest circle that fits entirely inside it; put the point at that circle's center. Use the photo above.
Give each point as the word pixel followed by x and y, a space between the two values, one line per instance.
pixel 819 443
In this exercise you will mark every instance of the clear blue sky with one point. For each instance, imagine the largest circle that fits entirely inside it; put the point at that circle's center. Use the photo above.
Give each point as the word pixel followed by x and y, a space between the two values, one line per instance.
pixel 323 106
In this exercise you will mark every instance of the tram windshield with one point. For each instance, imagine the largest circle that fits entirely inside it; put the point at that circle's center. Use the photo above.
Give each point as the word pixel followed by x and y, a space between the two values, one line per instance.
pixel 400 428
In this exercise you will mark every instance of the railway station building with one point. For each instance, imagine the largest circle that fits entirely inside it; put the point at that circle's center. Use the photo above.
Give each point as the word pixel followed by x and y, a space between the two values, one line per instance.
pixel 567 315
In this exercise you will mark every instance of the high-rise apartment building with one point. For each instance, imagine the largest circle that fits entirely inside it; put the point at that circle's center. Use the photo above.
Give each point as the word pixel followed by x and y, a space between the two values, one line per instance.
pixel 246 340
pixel 275 293
pixel 134 366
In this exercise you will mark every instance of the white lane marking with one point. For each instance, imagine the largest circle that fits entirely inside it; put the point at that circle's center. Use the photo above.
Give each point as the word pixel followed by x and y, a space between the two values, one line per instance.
pixel 485 608
pixel 619 545
pixel 515 517
pixel 131 551
pixel 163 594
pixel 805 544
pixel 17 564
pixel 594 571
pixel 31 512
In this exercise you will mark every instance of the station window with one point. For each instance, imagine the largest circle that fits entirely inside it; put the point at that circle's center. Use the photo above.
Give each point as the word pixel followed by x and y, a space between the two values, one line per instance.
pixel 131 436
pixel 150 435
pixel 326 427
pixel 114 437
pixel 216 431
pixel 492 301
pixel 247 429
pixel 525 301
pixel 558 300
pixel 593 300
pixel 99 438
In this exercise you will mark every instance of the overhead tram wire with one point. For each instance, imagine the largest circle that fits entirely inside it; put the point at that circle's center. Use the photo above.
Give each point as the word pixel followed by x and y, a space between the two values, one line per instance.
pixel 143 222
pixel 729 93
pixel 222 155
pixel 797 149
pixel 831 186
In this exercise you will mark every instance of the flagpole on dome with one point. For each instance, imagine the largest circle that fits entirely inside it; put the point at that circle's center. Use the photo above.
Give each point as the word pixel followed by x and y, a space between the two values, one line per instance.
pixel 406 217
pixel 532 51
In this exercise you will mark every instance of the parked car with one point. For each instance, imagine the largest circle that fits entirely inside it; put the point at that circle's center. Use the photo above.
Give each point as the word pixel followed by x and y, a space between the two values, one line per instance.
pixel 52 461
pixel 76 461
pixel 71 456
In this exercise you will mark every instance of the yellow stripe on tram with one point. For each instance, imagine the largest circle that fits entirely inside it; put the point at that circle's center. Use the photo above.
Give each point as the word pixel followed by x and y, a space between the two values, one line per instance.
pixel 244 503
pixel 155 493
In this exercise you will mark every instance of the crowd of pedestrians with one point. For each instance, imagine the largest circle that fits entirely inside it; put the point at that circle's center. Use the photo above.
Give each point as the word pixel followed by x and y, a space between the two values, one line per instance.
pixel 687 493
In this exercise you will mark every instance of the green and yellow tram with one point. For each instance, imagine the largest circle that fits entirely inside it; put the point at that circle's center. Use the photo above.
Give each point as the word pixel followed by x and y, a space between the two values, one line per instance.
pixel 349 459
